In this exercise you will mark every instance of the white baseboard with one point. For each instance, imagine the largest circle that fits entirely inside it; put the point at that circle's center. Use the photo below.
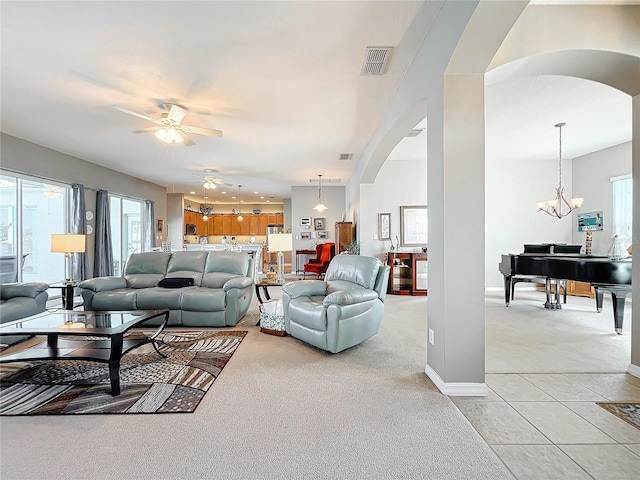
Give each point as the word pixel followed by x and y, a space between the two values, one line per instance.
pixel 457 389
pixel 633 370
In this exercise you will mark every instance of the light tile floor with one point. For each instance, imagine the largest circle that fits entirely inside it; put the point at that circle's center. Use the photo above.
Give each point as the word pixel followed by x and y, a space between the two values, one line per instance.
pixel 548 426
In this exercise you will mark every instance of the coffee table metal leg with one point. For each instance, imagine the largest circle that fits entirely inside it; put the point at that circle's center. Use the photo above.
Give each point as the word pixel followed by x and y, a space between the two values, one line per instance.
pixel 153 337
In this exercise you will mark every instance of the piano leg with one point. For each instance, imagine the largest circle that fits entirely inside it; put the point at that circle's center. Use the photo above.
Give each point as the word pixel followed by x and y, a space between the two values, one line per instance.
pixel 507 289
pixel 618 297
pixel 553 302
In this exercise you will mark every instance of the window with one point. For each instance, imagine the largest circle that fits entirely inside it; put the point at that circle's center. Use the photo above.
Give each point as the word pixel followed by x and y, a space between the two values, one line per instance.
pixel 30 211
pixel 623 206
pixel 126 229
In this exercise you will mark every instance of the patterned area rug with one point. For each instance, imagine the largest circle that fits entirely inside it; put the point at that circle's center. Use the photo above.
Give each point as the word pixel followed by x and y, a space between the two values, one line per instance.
pixel 149 383
pixel 629 412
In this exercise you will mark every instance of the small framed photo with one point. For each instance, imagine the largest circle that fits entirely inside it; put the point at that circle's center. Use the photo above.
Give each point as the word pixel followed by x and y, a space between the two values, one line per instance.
pixel 318 223
pixel 159 225
pixel 305 221
pixel 323 235
pixel 384 226
pixel 305 236
pixel 233 239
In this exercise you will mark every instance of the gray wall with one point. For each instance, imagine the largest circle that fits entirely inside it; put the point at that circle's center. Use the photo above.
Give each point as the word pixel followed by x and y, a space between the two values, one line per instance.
pixel 303 199
pixel 399 183
pixel 591 179
pixel 28 158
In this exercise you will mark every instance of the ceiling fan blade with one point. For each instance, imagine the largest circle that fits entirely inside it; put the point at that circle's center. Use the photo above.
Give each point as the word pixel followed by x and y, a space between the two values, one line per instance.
pixel 124 110
pixel 187 141
pixel 148 129
pixel 176 113
pixel 201 131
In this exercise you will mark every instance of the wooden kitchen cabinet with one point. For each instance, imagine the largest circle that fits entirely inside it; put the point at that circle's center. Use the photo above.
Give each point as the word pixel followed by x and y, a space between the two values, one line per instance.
pixel 228 224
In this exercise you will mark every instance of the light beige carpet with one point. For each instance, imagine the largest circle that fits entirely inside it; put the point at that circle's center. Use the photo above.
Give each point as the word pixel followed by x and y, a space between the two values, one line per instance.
pixel 280 409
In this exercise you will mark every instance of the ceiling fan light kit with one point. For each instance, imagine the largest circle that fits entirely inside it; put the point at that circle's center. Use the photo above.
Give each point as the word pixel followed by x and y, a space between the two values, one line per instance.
pixel 171 129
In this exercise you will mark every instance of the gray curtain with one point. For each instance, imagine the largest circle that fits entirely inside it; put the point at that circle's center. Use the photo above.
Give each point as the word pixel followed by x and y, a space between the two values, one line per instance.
pixel 80 268
pixel 103 259
pixel 149 226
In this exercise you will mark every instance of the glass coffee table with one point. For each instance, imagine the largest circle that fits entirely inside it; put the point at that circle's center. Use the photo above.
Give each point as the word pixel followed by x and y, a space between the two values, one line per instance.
pixel 99 337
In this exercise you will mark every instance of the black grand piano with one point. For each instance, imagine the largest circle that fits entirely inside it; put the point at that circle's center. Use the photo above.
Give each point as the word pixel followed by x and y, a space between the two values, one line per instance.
pixel 556 263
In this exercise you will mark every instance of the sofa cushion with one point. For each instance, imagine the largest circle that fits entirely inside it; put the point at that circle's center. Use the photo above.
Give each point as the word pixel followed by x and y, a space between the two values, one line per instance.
pixel 119 299
pixel 157 298
pixel 204 300
pixel 308 311
pixel 187 264
pixel 144 270
pixel 223 266
pixel 354 268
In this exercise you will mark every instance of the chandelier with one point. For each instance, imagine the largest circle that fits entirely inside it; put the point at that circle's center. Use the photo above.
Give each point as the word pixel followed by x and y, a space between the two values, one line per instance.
pixel 554 207
pixel 320 207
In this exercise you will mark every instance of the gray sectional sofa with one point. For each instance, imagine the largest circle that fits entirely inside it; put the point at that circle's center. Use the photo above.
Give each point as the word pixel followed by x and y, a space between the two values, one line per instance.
pixel 220 295
pixel 20 300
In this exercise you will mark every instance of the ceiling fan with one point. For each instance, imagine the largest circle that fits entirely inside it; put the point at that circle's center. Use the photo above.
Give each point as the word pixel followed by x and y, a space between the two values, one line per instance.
pixel 211 181
pixel 170 129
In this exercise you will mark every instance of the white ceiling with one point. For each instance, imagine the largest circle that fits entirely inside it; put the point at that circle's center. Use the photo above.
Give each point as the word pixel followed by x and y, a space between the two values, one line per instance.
pixel 280 79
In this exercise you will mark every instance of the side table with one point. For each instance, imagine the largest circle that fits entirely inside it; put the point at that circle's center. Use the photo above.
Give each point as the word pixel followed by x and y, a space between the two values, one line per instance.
pixel 67 293
pixel 265 284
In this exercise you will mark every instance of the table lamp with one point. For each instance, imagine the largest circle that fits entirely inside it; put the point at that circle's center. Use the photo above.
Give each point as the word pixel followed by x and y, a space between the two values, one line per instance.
pixel 68 244
pixel 280 242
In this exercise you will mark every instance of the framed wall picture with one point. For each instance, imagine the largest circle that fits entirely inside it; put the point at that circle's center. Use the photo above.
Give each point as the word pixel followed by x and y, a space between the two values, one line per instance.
pixel 159 225
pixel 318 223
pixel 414 226
pixel 384 226
pixel 323 235
pixel 305 236
pixel 305 221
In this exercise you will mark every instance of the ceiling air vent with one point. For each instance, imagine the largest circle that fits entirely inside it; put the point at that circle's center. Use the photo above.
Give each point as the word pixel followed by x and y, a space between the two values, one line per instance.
pixel 346 156
pixel 415 132
pixel 376 60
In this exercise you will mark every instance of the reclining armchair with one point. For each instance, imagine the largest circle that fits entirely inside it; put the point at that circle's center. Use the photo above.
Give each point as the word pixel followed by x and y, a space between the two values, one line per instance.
pixel 340 311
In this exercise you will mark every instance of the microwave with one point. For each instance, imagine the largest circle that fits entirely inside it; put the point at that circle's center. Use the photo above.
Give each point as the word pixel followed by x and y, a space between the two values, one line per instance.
pixel 190 229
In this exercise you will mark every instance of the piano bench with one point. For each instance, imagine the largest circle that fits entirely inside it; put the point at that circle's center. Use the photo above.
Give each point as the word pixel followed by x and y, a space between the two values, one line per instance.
pixel 535 279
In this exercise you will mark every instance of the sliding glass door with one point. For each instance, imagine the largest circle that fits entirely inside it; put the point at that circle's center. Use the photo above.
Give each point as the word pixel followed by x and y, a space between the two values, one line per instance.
pixel 126 230
pixel 30 211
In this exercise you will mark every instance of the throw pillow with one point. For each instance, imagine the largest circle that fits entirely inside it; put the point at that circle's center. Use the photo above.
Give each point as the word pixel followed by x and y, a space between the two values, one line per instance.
pixel 176 282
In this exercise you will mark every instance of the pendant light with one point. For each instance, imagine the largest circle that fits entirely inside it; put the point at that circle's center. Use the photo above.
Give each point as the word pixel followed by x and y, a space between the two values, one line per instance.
pixel 239 209
pixel 554 207
pixel 205 217
pixel 320 207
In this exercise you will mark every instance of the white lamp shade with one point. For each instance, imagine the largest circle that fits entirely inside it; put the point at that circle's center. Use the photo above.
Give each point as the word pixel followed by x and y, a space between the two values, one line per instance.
pixel 280 242
pixel 68 243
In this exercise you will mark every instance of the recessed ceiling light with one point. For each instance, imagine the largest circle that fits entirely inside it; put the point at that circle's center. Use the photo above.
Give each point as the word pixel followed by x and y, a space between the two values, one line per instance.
pixel 233 196
pixel 192 193
pixel 268 201
pixel 206 198
pixel 255 193
pixel 224 193
pixel 262 198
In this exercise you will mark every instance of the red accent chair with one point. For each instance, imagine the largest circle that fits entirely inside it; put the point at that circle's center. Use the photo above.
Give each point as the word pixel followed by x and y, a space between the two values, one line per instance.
pixel 324 253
